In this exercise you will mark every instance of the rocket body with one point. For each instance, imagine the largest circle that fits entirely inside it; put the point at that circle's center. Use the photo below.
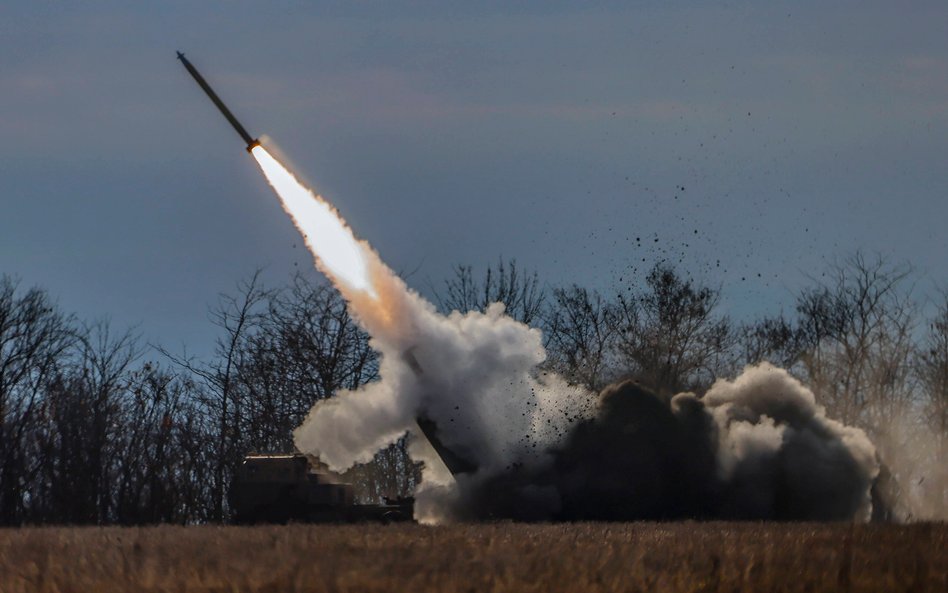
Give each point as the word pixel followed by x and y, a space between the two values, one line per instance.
pixel 250 140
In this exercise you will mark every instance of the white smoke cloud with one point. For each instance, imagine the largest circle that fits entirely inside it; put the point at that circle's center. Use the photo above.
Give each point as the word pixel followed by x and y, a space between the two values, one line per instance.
pixel 478 382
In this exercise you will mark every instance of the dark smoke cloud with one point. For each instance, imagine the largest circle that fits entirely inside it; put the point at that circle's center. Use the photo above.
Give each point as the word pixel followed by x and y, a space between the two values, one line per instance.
pixel 758 447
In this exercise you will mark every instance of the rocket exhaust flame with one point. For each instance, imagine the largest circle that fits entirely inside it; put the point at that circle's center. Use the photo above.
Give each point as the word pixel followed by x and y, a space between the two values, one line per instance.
pixel 340 255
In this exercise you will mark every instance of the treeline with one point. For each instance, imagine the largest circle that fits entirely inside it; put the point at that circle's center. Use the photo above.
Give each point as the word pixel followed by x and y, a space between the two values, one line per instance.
pixel 96 427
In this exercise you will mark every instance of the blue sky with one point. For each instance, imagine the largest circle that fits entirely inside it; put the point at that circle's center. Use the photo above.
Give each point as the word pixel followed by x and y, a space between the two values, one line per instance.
pixel 554 133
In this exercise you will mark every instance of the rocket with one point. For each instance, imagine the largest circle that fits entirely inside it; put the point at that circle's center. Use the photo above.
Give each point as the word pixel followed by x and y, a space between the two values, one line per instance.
pixel 251 141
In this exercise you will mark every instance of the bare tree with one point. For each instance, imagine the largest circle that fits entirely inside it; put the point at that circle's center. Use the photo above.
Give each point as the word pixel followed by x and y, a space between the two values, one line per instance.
pixel 519 291
pixel 858 334
pixel 105 359
pixel 777 340
pixel 580 332
pixel 307 347
pixel 77 439
pixel 163 452
pixel 239 319
pixel 83 424
pixel 933 368
pixel 671 338
pixel 933 372
pixel 33 338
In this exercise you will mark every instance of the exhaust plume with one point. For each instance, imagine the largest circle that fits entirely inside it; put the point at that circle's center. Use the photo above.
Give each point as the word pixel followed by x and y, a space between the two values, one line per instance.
pixel 338 252
pixel 757 447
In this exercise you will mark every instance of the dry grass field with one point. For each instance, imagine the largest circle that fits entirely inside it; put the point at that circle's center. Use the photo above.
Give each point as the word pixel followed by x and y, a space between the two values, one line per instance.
pixel 486 557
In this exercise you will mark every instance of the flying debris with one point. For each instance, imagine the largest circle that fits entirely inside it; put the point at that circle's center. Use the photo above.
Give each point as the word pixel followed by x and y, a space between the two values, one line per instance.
pixel 251 141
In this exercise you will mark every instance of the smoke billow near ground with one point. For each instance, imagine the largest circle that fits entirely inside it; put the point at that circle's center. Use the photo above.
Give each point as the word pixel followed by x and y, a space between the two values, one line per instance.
pixel 756 447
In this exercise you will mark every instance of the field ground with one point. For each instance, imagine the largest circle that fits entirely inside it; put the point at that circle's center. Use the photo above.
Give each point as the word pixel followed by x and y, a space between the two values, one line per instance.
pixel 487 557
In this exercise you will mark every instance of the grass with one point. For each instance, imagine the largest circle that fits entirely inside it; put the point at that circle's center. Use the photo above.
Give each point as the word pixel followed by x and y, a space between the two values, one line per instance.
pixel 486 557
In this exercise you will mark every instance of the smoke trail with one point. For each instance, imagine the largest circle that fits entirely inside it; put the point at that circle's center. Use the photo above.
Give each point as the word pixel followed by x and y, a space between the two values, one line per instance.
pixel 757 447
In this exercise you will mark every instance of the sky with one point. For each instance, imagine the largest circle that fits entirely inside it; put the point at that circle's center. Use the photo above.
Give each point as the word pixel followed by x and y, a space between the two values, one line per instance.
pixel 748 143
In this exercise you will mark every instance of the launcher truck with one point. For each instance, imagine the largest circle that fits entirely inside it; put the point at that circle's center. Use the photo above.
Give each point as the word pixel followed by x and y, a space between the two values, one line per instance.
pixel 292 487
